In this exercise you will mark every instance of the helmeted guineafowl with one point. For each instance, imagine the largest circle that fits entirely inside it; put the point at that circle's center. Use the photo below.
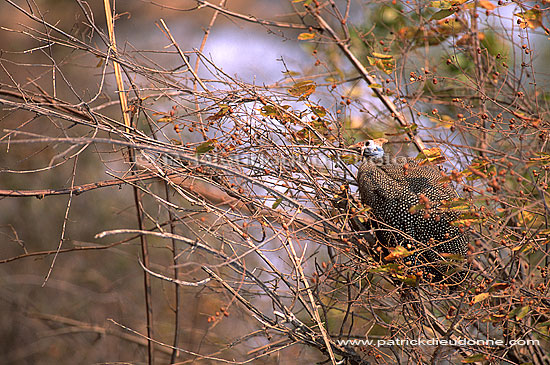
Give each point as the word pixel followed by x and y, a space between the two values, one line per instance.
pixel 393 188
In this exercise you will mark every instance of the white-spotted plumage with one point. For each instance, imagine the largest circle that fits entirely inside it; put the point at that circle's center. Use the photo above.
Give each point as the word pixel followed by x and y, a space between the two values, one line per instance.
pixel 391 187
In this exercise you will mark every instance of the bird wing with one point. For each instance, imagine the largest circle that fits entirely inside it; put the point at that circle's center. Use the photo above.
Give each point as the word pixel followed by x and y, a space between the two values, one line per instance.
pixel 419 179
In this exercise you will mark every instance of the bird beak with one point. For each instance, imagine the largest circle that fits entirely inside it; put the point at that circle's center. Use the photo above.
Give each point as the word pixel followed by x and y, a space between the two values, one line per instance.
pixel 358 147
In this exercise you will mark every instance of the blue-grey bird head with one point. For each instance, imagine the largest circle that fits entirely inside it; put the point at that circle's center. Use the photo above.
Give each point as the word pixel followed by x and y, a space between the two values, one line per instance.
pixel 370 148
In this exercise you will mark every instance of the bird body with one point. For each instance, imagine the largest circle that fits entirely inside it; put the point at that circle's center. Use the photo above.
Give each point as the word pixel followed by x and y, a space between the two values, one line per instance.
pixel 392 188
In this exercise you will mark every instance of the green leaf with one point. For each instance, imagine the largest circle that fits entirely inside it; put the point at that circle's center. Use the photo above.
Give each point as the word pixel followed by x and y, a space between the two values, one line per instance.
pixel 519 312
pixel 306 136
pixel 277 203
pixel 319 125
pixel 543 327
pixel 522 312
pixel 205 147
pixel 269 111
pixel 444 121
pixel 474 358
pixel 410 280
pixel 444 4
pixel 417 208
pixel 404 130
pixel 224 110
pixel 274 112
pixel 442 14
pixel 319 111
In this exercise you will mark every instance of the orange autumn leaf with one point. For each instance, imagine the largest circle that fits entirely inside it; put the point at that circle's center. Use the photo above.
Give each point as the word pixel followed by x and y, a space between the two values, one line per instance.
pixel 487 5
pixel 306 36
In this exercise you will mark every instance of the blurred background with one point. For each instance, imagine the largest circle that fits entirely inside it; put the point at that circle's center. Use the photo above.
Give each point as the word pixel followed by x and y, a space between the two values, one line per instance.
pixel 45 323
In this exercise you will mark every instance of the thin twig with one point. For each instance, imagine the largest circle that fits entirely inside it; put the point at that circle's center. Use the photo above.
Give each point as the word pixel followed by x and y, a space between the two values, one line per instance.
pixel 344 46
pixel 183 57
pixel 137 198
pixel 64 226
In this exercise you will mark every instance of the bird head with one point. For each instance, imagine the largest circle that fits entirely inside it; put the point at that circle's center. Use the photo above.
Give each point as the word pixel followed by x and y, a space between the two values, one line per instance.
pixel 370 148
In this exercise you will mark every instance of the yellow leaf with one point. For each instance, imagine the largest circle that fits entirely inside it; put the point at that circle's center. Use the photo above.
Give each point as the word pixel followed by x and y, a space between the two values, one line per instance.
pixel 165 120
pixel 465 222
pixel 397 253
pixel 494 318
pixel 525 218
pixel 478 170
pixel 306 36
pixel 384 62
pixel 523 247
pixel 349 159
pixel 498 287
pixel 381 55
pixel 433 155
pixel 531 18
pixel 457 205
pixel 542 158
pixel 481 297
pixel 444 121
pixel 441 4
pixel 302 89
pixel 487 5
pixel 385 268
